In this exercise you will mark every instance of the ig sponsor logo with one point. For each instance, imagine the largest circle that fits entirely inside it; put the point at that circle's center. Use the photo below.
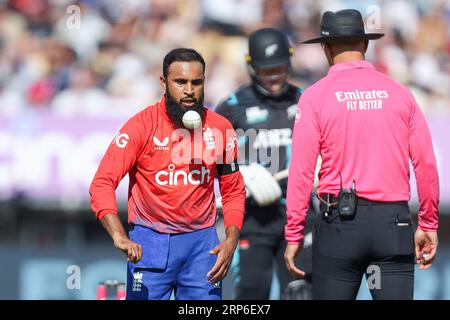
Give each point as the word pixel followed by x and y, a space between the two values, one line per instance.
pixel 121 140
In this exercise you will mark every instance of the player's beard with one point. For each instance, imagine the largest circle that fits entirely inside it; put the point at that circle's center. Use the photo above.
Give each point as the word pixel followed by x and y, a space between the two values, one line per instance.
pixel 176 111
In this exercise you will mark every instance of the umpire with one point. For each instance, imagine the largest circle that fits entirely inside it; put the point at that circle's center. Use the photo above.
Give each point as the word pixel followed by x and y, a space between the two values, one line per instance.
pixel 265 111
pixel 366 128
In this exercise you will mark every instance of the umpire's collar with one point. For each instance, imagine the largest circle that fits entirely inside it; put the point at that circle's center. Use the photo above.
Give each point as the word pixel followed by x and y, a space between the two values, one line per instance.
pixel 357 64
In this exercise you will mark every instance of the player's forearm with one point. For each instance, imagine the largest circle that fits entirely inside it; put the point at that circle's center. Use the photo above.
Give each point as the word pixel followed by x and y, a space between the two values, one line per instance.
pixel 103 197
pixel 114 227
pixel 428 189
pixel 305 150
pixel 233 198
pixel 232 234
pixel 425 168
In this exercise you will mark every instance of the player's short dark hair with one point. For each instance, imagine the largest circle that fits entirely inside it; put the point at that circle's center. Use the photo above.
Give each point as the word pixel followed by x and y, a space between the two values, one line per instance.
pixel 181 54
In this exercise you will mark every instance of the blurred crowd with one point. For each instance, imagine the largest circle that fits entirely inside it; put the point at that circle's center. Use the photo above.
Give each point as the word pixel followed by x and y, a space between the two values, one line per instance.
pixel 104 57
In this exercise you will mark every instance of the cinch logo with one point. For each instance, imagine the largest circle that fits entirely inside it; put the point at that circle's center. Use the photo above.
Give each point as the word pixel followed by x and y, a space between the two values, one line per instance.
pixel 161 145
pixel 121 140
pixel 172 176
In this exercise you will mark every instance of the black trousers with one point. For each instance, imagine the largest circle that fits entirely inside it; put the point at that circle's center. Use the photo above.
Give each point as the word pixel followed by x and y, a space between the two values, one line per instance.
pixel 256 267
pixel 377 242
pixel 263 236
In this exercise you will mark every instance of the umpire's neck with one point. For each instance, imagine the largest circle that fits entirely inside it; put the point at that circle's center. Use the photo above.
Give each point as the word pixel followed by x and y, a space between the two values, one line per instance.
pixel 341 52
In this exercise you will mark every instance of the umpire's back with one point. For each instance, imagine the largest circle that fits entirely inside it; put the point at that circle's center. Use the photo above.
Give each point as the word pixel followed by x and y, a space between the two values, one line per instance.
pixel 369 126
pixel 366 127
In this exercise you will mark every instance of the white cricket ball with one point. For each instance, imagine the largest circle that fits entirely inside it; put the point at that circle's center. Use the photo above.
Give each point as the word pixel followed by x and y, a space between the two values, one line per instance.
pixel 191 119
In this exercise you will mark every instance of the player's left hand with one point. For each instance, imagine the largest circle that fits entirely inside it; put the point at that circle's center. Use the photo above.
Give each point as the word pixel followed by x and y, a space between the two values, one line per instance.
pixel 224 252
pixel 426 243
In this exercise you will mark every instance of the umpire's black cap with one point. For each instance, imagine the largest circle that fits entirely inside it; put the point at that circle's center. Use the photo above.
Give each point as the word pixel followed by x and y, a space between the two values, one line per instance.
pixel 268 48
pixel 343 25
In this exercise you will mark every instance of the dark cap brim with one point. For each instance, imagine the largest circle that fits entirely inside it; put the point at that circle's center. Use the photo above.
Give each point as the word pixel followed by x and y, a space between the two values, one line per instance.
pixel 367 36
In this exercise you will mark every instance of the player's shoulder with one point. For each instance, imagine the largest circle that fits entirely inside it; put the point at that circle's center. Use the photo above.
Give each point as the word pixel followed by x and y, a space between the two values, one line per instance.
pixel 312 90
pixel 294 91
pixel 217 120
pixel 151 110
pixel 394 87
pixel 388 81
pixel 144 117
pixel 238 98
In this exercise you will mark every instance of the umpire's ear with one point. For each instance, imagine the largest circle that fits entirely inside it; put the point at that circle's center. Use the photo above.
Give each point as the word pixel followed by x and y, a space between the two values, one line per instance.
pixel 163 82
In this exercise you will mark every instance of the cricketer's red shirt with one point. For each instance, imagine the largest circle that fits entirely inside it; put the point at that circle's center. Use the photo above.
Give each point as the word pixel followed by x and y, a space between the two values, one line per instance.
pixel 171 173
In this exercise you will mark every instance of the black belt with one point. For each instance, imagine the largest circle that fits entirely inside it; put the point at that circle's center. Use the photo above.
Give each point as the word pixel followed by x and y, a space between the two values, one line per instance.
pixel 333 201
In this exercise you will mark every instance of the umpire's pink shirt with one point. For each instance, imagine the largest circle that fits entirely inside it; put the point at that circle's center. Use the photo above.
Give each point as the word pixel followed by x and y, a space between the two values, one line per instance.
pixel 366 127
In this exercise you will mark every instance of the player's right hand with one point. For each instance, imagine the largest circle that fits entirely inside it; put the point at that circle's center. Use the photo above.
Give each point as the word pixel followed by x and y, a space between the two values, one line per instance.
pixel 132 250
pixel 290 254
pixel 261 184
